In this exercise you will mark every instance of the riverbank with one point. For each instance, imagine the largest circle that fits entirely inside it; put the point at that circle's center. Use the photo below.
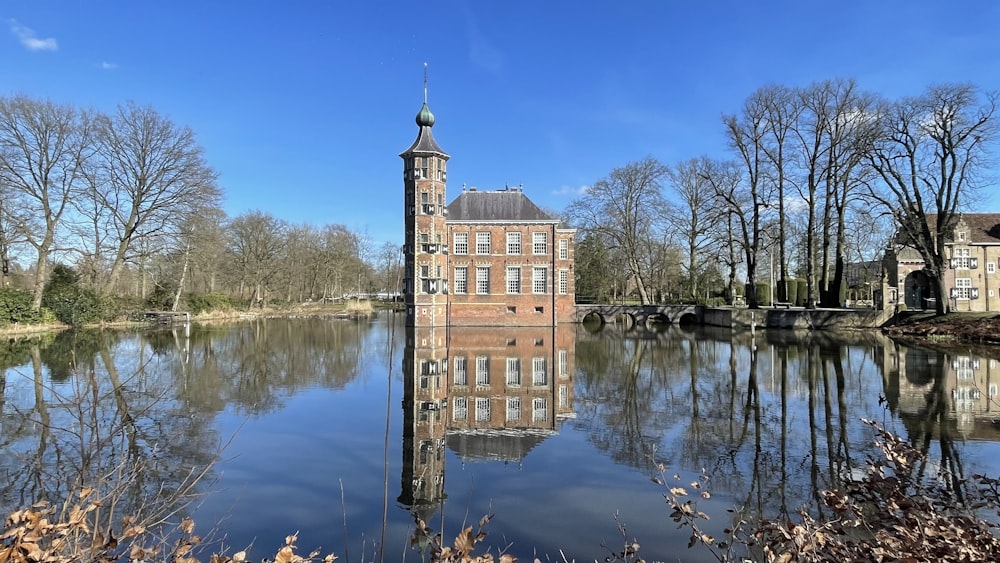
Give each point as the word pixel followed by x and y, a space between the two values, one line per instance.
pixel 961 328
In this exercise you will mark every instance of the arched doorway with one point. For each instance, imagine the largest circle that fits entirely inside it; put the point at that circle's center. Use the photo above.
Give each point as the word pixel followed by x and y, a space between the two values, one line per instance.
pixel 919 291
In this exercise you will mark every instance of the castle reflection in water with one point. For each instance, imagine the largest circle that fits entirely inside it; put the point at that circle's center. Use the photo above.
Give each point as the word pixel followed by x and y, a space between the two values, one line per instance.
pixel 483 392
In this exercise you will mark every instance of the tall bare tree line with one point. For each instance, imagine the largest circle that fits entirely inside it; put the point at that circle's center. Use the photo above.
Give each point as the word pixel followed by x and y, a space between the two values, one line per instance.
pixel 820 177
pixel 129 200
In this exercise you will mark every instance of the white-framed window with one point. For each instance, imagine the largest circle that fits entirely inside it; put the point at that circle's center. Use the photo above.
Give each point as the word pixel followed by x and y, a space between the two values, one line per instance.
pixel 482 370
pixel 513 409
pixel 461 281
pixel 514 243
pixel 563 364
pixel 539 372
pixel 461 370
pixel 513 280
pixel 459 408
pixel 482 280
pixel 564 249
pixel 563 396
pixel 482 408
pixel 539 243
pixel 961 259
pixel 539 410
pixel 963 287
pixel 563 282
pixel 539 279
pixel 991 267
pixel 513 372
pixel 483 242
pixel 460 243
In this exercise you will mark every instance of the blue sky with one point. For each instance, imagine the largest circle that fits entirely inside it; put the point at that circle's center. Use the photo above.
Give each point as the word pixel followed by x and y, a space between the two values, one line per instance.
pixel 303 106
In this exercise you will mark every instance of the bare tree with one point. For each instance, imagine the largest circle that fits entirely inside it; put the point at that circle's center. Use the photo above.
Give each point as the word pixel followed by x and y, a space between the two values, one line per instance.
pixel 256 245
pixel 694 217
pixel 149 179
pixel 627 208
pixel 43 147
pixel 750 202
pixel 850 132
pixel 734 229
pixel 930 155
pixel 782 109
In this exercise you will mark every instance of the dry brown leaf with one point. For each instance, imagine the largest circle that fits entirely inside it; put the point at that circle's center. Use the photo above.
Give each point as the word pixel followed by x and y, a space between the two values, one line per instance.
pixel 239 557
pixel 285 554
pixel 187 525
pixel 464 542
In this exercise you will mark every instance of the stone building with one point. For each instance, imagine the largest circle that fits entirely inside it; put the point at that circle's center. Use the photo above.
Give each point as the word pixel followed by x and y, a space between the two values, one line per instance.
pixel 488 258
pixel 972 251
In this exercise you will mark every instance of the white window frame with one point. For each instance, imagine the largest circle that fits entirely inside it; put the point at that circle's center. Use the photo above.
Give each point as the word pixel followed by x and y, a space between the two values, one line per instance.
pixel 991 267
pixel 539 409
pixel 460 408
pixel 563 364
pixel 482 409
pixel 539 243
pixel 513 409
pixel 563 282
pixel 963 288
pixel 461 282
pixel 483 242
pixel 539 280
pixel 564 249
pixel 513 372
pixel 461 376
pixel 460 243
pixel 962 257
pixel 513 280
pixel 563 396
pixel 539 372
pixel 482 370
pixel 514 242
pixel 482 280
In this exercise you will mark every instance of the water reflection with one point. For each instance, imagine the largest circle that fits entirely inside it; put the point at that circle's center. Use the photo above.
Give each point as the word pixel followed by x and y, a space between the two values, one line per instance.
pixel 483 393
pixel 553 430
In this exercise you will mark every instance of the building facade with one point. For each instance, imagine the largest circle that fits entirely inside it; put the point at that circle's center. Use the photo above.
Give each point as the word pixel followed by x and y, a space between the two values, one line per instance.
pixel 972 251
pixel 488 258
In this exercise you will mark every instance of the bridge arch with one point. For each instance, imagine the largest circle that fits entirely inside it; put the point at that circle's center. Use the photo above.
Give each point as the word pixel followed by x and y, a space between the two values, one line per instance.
pixel 688 319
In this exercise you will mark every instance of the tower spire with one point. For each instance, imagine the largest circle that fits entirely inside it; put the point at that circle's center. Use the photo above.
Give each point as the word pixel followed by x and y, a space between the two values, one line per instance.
pixel 425 82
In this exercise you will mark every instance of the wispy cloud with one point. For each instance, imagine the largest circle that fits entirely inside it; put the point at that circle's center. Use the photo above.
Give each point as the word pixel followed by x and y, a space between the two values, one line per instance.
pixel 571 191
pixel 104 65
pixel 28 39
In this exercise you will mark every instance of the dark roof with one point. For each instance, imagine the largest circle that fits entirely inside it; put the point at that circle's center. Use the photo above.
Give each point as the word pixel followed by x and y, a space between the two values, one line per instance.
pixel 425 142
pixel 983 227
pixel 496 206
pixel 495 445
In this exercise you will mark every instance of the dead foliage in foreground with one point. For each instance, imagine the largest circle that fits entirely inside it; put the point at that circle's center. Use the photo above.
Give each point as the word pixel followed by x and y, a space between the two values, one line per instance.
pixel 41 534
pixel 896 513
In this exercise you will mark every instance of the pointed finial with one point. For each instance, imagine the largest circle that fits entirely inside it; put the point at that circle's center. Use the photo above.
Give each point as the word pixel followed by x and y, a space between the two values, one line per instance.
pixel 425 118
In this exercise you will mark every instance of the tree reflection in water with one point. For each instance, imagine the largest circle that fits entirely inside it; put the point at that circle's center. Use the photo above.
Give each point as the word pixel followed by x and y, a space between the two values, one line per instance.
pixel 772 418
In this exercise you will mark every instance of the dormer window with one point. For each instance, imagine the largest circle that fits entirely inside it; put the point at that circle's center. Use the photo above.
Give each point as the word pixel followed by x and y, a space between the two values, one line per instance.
pixel 961 236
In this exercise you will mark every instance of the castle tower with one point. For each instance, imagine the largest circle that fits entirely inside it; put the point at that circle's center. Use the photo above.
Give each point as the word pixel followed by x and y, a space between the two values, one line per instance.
pixel 425 287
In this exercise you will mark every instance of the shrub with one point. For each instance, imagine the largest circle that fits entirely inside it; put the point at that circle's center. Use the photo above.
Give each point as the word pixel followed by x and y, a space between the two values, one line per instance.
pixel 763 293
pixel 15 307
pixel 801 292
pixel 71 303
pixel 206 302
pixel 162 297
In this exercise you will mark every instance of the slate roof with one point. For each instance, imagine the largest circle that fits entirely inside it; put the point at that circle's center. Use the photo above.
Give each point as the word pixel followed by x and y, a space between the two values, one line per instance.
pixel 425 143
pixel 984 228
pixel 509 205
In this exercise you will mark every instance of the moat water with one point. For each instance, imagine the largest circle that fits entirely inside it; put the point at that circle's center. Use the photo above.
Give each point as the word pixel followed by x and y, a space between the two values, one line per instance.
pixel 347 432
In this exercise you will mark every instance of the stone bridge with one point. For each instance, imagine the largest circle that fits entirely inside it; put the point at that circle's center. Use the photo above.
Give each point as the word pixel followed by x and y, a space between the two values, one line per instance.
pixel 641 315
